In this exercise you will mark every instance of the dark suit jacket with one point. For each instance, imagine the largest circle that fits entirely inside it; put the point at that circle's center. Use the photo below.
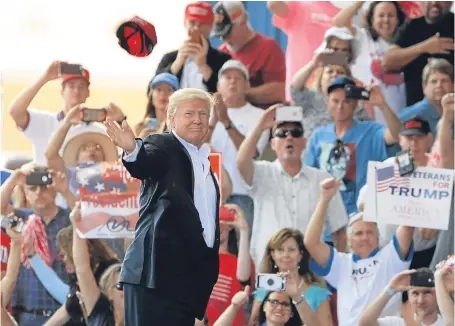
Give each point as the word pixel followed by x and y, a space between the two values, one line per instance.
pixel 215 60
pixel 169 252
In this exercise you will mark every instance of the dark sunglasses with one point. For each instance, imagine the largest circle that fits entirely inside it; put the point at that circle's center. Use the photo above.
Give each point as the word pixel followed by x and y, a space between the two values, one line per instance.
pixel 283 133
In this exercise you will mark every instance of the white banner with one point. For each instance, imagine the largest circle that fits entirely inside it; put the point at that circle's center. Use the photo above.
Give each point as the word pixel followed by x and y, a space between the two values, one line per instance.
pixel 420 199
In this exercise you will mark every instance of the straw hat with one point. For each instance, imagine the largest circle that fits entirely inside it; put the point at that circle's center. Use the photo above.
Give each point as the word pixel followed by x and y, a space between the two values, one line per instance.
pixel 82 134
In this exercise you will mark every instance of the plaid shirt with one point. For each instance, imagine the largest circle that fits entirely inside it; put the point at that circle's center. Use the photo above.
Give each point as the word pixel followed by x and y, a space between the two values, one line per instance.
pixel 29 292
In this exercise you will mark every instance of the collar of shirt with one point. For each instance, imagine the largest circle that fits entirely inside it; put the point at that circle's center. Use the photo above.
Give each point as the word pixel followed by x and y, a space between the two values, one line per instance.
pixel 203 152
pixel 302 173
pixel 356 258
pixel 436 323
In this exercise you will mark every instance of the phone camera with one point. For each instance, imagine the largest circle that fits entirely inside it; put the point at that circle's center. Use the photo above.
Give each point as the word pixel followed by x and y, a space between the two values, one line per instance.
pixel 44 178
pixel 270 281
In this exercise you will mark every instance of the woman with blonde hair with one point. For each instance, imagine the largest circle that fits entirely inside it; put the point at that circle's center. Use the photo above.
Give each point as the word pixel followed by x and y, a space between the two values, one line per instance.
pixel 286 255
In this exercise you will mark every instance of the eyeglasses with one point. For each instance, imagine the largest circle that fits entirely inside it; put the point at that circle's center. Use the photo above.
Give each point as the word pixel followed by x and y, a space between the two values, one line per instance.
pixel 283 133
pixel 340 49
pixel 275 303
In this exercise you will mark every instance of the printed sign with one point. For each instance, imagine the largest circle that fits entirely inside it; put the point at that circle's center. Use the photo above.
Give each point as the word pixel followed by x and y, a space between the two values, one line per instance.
pixel 109 199
pixel 421 199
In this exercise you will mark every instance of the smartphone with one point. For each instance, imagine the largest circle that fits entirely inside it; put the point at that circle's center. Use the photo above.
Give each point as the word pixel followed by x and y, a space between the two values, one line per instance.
pixel 69 69
pixel 270 282
pixel 13 224
pixel 356 92
pixel 93 115
pixel 421 278
pixel 226 214
pixel 39 178
pixel 195 36
pixel 405 163
pixel 152 123
pixel 289 113
pixel 334 58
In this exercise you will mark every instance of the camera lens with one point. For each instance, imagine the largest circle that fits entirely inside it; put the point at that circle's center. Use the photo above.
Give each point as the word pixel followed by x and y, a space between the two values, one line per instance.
pixel 44 178
pixel 270 281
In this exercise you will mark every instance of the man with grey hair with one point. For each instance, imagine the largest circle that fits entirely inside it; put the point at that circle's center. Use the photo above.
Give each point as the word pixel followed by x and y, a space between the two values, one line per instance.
pixel 437 81
pixel 360 275
pixel 171 266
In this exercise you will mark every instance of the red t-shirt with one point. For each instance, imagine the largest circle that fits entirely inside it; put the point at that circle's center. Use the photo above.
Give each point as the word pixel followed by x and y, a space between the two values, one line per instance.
pixel 264 59
pixel 223 291
pixel 4 250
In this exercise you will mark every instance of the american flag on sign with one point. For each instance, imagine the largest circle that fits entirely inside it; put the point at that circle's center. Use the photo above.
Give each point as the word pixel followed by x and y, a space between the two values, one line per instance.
pixel 390 176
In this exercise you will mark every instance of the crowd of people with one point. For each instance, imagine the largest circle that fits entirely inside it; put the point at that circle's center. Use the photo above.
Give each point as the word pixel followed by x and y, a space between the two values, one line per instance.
pixel 298 189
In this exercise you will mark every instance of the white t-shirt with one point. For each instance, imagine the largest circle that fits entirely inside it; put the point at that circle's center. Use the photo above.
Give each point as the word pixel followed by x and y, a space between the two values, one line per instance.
pixel 359 281
pixel 386 231
pixel 398 321
pixel 366 66
pixel 245 119
pixel 39 130
pixel 191 76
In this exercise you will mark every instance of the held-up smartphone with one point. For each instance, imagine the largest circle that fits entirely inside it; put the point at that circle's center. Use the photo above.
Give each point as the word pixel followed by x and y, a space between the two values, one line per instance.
pixel 270 282
pixel 152 123
pixel 93 115
pixel 39 178
pixel 334 58
pixel 15 225
pixel 289 113
pixel 356 93
pixel 227 214
pixel 69 69
pixel 405 162
pixel 195 36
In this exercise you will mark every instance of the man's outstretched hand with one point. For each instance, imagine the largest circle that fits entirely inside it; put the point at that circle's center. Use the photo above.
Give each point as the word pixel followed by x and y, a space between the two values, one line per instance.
pixel 122 136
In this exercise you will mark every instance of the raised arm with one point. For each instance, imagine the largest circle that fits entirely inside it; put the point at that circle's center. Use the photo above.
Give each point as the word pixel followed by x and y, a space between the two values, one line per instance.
pixel 87 283
pixel 248 150
pixel 318 249
pixel 373 310
pixel 237 303
pixel 8 282
pixel 404 236
pixel 391 135
pixel 345 16
pixel 279 8
pixel 446 132
pixel 301 77
pixel 442 278
pixel 18 107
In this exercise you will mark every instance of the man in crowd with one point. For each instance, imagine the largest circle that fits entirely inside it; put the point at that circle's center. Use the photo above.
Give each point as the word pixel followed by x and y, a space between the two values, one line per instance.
pixel 38 126
pixel 419 39
pixel 343 148
pixel 285 192
pixel 31 302
pixel 260 54
pixel 361 275
pixel 195 63
pixel 422 297
pixel 234 118
pixel 437 81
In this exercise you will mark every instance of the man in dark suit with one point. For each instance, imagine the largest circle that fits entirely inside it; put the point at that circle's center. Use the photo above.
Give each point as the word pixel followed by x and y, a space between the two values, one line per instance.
pixel 171 266
pixel 196 63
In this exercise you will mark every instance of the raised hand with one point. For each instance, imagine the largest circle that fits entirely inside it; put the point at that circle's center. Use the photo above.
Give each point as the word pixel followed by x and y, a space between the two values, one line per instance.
pixel 268 118
pixel 59 182
pixel 329 188
pixel 241 297
pixel 447 103
pixel 401 281
pixel 239 221
pixel 73 117
pixel 438 45
pixel 51 72
pixel 75 215
pixel 122 136
pixel 220 110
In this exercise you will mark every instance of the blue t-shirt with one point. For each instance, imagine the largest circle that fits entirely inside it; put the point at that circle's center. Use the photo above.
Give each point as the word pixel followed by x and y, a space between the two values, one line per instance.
pixel 423 109
pixel 363 142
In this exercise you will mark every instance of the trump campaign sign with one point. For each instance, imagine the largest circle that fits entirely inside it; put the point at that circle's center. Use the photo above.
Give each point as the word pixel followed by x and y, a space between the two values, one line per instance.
pixel 109 198
pixel 421 199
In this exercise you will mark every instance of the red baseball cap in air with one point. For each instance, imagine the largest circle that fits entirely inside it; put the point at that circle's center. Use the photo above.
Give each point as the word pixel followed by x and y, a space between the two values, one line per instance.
pixel 137 37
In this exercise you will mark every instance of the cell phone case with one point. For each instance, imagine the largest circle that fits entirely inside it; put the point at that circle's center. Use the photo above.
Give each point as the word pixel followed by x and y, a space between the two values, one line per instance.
pixel 39 179
pixel 405 163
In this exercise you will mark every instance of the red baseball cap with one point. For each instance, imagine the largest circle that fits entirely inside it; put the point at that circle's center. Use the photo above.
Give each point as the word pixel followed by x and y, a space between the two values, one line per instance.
pixel 137 37
pixel 200 11
pixel 85 75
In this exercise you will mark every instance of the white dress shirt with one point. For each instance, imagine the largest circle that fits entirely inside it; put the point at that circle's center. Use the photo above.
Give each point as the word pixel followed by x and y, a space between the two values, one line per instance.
pixel 204 187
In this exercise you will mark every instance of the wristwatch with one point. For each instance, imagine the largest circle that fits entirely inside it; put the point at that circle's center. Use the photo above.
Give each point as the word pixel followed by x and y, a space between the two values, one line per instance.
pixel 229 126
pixel 302 297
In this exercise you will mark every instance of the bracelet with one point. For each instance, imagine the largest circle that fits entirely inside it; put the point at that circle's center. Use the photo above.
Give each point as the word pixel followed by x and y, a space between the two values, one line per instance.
pixel 302 297
pixel 389 291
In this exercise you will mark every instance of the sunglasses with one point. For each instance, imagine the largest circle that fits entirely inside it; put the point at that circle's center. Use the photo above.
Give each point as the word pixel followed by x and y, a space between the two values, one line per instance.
pixel 283 133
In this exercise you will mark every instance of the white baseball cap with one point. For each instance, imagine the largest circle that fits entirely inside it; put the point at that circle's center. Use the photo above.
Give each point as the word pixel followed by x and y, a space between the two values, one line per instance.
pixel 234 64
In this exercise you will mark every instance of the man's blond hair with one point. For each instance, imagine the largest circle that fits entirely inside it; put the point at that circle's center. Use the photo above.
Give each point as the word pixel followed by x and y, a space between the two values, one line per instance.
pixel 186 95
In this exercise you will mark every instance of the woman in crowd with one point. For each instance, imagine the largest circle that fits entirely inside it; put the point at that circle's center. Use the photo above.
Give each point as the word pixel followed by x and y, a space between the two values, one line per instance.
pixel 235 262
pixel 158 92
pixel 276 309
pixel 286 254
pixel 314 101
pixel 103 304
pixel 8 282
pixel 383 18
pixel 101 258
